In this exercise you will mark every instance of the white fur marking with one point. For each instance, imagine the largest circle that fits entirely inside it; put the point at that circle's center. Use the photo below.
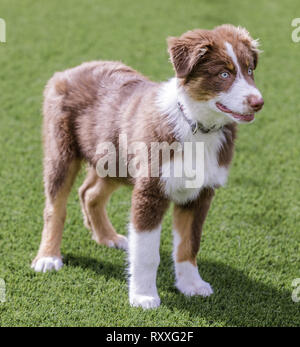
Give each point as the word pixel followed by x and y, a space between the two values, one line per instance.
pixel 188 279
pixel 47 264
pixel 120 242
pixel 232 55
pixel 143 263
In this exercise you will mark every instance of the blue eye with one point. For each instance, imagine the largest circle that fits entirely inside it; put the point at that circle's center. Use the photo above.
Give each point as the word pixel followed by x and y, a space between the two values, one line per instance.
pixel 250 71
pixel 224 75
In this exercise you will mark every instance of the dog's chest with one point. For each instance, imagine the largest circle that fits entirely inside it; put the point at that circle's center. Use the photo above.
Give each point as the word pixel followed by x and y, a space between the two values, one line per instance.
pixel 201 160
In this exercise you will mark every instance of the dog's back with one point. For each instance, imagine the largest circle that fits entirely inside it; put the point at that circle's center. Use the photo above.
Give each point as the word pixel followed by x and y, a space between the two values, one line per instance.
pixel 75 100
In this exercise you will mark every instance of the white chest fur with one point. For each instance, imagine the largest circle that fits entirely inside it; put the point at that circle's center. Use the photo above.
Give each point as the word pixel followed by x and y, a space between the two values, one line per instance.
pixel 213 174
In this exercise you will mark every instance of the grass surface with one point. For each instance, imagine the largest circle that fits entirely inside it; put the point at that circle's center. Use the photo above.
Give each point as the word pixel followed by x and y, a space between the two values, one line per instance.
pixel 250 248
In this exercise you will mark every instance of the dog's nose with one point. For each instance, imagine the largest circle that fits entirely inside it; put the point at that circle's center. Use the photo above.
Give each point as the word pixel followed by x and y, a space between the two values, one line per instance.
pixel 256 102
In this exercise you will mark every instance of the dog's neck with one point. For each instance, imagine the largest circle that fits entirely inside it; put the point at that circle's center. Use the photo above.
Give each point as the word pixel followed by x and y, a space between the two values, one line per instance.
pixel 182 111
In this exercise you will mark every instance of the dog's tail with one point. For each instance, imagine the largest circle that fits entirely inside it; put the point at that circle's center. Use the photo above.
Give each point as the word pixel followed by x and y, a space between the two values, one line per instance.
pixel 60 149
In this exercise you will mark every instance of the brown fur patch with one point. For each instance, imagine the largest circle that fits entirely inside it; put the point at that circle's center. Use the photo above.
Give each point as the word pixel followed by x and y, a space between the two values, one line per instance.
pixel 230 67
pixel 148 204
pixel 188 221
pixel 187 50
pixel 226 152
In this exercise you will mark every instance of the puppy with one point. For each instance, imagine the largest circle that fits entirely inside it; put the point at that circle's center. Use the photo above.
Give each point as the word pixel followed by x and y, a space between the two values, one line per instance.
pixel 107 103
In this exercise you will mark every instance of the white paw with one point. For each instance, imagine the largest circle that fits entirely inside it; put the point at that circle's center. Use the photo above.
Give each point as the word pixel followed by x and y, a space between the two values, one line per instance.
pixel 47 264
pixel 198 287
pixel 120 242
pixel 144 301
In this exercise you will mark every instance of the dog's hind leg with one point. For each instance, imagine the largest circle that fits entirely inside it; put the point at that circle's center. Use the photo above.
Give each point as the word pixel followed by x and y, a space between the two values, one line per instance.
pixel 61 165
pixel 89 181
pixel 94 194
pixel 49 256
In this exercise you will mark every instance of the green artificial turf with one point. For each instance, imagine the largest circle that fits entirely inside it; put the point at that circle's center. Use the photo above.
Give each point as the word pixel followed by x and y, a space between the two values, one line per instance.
pixel 250 247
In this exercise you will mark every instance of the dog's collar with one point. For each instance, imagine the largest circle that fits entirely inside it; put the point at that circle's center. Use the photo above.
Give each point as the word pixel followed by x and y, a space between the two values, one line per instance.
pixel 195 125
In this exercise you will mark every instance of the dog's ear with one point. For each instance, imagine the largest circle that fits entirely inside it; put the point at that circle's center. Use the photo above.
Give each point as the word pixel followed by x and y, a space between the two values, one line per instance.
pixel 254 45
pixel 187 50
pixel 244 35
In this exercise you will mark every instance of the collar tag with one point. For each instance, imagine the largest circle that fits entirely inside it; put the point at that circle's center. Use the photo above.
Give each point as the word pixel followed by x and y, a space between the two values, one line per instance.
pixel 194 127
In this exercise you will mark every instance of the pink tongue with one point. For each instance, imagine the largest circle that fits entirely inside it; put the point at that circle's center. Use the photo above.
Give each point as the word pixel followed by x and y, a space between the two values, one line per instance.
pixel 223 108
pixel 246 117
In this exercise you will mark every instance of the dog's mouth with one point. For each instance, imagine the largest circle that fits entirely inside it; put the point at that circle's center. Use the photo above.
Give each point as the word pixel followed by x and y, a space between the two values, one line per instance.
pixel 239 116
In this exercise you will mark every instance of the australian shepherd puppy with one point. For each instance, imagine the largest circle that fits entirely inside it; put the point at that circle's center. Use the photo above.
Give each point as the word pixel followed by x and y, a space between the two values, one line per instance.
pixel 107 102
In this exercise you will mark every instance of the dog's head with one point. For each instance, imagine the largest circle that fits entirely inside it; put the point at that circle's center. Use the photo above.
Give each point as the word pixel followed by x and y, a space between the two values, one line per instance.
pixel 216 67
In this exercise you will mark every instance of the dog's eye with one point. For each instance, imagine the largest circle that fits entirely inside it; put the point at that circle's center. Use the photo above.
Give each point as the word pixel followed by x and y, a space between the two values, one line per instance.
pixel 224 74
pixel 250 71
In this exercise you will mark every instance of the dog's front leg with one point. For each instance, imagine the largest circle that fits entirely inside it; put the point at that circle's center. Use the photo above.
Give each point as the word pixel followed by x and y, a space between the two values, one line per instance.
pixel 148 208
pixel 188 222
pixel 143 263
